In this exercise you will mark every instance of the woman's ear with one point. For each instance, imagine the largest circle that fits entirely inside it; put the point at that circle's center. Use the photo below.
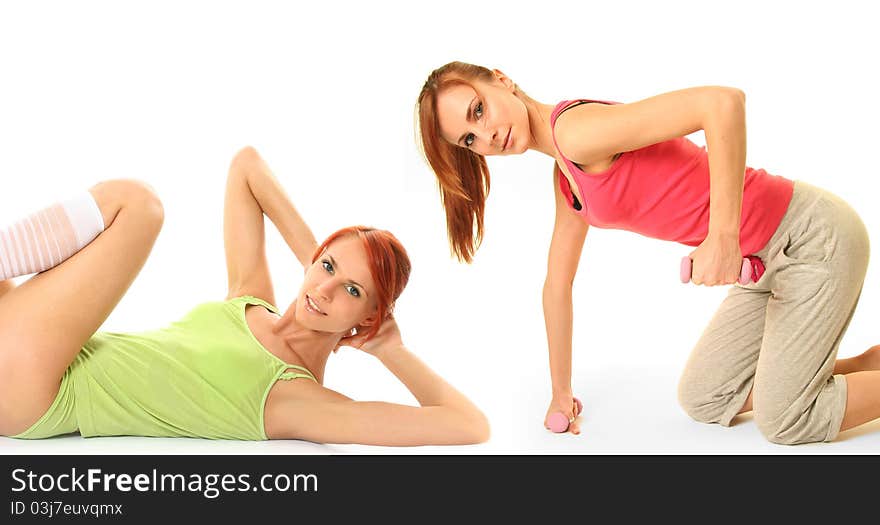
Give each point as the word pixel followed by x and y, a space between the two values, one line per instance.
pixel 371 319
pixel 504 79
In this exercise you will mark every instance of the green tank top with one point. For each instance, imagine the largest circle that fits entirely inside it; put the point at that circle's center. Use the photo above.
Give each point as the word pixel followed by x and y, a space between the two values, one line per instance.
pixel 204 376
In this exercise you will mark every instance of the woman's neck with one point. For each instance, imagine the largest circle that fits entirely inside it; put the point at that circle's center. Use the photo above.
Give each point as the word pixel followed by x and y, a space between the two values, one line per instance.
pixel 539 124
pixel 311 347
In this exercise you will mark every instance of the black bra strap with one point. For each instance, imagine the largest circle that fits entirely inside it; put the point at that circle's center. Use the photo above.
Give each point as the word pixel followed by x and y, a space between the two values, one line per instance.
pixel 578 103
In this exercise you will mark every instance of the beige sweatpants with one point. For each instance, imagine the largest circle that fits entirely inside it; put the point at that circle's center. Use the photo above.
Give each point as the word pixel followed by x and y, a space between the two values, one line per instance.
pixel 780 335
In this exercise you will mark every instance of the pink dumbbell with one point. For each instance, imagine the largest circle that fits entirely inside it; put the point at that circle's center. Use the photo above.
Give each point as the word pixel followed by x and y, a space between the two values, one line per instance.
pixel 752 269
pixel 557 420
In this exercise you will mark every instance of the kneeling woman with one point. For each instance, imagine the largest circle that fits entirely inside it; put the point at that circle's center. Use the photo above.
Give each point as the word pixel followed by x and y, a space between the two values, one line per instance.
pixel 231 369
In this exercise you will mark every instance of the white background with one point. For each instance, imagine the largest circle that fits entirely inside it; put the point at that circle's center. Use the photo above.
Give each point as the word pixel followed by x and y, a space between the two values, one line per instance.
pixel 168 91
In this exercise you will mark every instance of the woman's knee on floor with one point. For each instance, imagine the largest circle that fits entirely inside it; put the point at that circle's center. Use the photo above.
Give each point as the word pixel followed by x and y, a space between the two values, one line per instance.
pixel 789 423
pixel 701 402
pixel 776 426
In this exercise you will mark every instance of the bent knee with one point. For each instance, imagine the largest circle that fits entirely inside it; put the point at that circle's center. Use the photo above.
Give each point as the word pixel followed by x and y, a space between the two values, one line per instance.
pixel 114 194
pixel 791 426
pixel 706 404
pixel 772 427
pixel 142 195
pixel 697 403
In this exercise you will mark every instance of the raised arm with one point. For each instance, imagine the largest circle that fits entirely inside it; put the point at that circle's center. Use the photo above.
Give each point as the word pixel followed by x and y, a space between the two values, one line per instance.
pixel 445 417
pixel 591 132
pixel 251 191
pixel 569 233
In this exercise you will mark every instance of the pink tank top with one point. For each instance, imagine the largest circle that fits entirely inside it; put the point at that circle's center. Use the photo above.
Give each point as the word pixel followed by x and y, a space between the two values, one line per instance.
pixel 662 191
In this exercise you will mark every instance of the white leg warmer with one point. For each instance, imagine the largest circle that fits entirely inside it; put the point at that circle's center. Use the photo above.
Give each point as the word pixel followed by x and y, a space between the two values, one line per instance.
pixel 50 236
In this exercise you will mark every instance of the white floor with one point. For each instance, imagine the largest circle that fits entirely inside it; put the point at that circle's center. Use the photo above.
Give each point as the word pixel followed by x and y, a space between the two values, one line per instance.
pixel 645 421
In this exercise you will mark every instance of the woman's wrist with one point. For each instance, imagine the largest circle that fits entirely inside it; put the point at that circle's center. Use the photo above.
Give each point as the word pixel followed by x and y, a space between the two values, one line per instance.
pixel 387 351
pixel 562 391
pixel 724 234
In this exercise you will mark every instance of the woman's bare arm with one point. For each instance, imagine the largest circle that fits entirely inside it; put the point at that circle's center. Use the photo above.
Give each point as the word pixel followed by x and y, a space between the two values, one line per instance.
pixel 445 417
pixel 591 132
pixel 251 191
pixel 569 233
pixel 566 244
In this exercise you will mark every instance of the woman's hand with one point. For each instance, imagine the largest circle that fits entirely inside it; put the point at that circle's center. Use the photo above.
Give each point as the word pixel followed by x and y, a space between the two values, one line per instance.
pixel 387 337
pixel 717 260
pixel 566 404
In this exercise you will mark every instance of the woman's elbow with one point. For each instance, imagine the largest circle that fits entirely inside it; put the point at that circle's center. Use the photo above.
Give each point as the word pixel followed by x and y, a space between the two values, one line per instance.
pixel 726 106
pixel 465 426
pixel 484 432
pixel 731 97
pixel 478 430
pixel 246 156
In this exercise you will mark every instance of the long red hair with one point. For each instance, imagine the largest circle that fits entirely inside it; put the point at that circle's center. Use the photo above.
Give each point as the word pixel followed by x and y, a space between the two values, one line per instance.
pixel 463 176
pixel 388 262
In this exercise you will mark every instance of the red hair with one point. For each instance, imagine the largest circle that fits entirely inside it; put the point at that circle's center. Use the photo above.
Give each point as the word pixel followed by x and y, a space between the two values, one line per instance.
pixel 463 176
pixel 388 262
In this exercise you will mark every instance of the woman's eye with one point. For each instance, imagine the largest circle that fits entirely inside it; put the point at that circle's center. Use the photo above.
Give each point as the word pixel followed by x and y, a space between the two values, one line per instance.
pixel 327 266
pixel 469 140
pixel 478 111
pixel 353 291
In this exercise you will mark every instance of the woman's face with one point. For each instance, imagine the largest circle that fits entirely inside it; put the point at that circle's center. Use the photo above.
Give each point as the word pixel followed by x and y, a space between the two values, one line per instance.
pixel 488 118
pixel 338 292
